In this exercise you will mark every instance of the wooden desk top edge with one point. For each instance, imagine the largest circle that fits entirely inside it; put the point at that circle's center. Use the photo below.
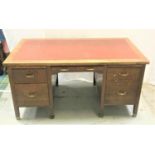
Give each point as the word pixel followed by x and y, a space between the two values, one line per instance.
pixel 9 62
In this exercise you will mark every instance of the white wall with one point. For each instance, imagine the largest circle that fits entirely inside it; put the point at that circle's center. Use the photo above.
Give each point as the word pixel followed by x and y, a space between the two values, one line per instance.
pixel 143 39
pixel 14 36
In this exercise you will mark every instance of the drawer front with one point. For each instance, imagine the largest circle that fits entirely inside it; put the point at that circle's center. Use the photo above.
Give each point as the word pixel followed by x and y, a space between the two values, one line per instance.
pixel 121 94
pixel 116 84
pixel 120 97
pixel 32 94
pixel 78 69
pixel 123 73
pixel 29 75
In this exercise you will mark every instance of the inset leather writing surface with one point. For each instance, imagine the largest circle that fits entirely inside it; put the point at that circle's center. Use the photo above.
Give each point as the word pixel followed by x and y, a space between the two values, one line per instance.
pixel 75 49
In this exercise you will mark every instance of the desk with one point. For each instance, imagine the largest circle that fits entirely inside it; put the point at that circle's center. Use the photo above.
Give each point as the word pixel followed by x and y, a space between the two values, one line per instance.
pixel 117 64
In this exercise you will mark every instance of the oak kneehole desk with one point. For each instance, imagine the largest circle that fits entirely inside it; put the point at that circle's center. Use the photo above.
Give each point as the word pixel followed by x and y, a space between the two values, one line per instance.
pixel 117 64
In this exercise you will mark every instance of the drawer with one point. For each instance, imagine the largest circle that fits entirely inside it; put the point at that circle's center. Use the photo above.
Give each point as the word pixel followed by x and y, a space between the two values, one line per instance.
pixel 32 94
pixel 123 73
pixel 121 94
pixel 29 75
pixel 116 83
pixel 77 69
pixel 114 99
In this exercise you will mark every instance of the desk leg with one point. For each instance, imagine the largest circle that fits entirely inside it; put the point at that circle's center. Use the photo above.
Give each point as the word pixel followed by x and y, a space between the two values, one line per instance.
pixel 50 88
pixel 94 80
pixel 101 113
pixel 136 105
pixel 135 110
pixel 102 96
pixel 51 115
pixel 57 80
pixel 101 106
pixel 16 108
pixel 17 113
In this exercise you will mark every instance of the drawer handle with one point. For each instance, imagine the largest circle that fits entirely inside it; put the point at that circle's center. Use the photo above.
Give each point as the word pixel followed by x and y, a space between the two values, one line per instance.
pixel 124 74
pixel 90 69
pixel 115 80
pixel 29 76
pixel 64 70
pixel 31 95
pixel 122 93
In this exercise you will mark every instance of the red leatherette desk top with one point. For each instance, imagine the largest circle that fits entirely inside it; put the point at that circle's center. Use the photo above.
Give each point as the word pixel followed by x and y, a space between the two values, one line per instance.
pixel 75 51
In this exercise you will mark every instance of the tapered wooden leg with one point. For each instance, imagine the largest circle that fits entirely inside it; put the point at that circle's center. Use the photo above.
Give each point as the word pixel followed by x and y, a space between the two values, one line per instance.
pixel 17 112
pixel 51 107
pixel 102 100
pixel 51 114
pixel 94 80
pixel 101 112
pixel 57 80
pixel 136 105
pixel 135 110
pixel 50 88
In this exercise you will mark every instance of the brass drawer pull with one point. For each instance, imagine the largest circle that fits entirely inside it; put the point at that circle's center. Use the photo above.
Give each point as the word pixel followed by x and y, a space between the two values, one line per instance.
pixel 124 74
pixel 90 69
pixel 31 95
pixel 29 76
pixel 115 80
pixel 121 93
pixel 64 70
